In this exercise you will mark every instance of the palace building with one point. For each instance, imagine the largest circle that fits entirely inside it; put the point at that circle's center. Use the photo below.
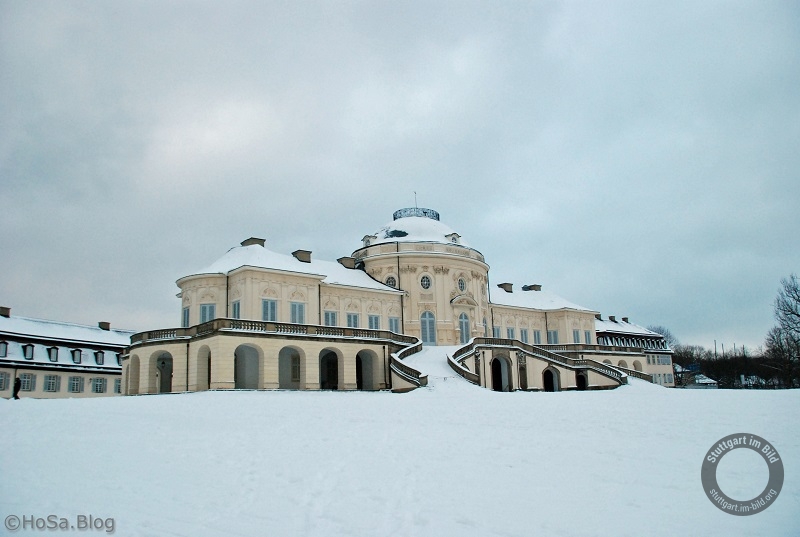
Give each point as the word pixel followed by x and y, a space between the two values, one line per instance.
pixel 258 319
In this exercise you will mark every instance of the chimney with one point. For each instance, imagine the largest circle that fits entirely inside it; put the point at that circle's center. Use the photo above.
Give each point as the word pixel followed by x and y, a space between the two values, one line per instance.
pixel 506 287
pixel 624 319
pixel 347 262
pixel 598 316
pixel 302 255
pixel 253 240
pixel 612 318
pixel 534 287
pixel 5 312
pixel 103 325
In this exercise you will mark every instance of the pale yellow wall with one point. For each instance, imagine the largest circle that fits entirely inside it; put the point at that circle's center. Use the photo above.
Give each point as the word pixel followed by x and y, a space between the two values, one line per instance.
pixel 564 321
pixel 39 393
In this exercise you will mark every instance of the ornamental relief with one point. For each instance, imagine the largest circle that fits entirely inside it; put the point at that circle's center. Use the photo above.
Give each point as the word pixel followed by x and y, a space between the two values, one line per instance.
pixel 331 304
pixel 187 300
pixel 297 296
pixel 207 296
pixel 353 305
pixel 374 307
pixel 441 269
pixel 377 271
pixel 407 269
pixel 269 292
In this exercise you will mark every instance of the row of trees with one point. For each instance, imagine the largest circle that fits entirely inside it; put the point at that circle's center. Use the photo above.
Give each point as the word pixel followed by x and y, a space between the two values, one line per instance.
pixel 776 365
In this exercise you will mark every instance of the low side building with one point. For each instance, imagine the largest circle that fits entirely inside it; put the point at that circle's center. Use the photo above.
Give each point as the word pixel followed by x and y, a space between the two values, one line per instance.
pixel 56 359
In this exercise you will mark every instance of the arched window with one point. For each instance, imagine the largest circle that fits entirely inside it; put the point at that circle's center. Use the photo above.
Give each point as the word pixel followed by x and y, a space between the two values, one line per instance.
pixel 428 328
pixel 425 282
pixel 462 285
pixel 463 326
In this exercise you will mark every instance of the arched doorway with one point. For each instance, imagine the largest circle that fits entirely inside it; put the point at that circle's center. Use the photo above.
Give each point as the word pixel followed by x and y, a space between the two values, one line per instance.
pixel 245 368
pixel 289 368
pixel 328 371
pixel 581 382
pixel 501 379
pixel 203 365
pixel 550 380
pixel 366 369
pixel 463 327
pixel 427 328
pixel 164 372
pixel 133 376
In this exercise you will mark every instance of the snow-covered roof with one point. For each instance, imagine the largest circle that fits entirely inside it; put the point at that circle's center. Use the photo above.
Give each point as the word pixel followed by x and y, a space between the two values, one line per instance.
pixel 702 379
pixel 256 255
pixel 539 300
pixel 62 331
pixel 416 229
pixel 622 327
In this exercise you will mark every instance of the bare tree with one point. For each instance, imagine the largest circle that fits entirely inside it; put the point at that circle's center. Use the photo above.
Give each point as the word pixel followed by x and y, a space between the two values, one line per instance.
pixel 783 356
pixel 787 305
pixel 669 337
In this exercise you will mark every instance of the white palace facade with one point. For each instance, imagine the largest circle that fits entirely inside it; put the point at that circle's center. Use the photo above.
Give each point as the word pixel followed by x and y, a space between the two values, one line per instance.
pixel 257 319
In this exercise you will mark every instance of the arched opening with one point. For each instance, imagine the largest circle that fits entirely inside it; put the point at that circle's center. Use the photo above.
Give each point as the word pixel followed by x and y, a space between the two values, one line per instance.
pixel 367 368
pixel 550 380
pixel 133 376
pixel 164 372
pixel 622 363
pixel 463 327
pixel 203 365
pixel 290 368
pixel 501 379
pixel 245 368
pixel 581 381
pixel 637 365
pixel 428 328
pixel 328 370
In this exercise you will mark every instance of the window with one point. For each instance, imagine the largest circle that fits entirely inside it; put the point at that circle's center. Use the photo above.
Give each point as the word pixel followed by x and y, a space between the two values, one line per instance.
pixel 207 312
pixel 119 359
pixel 496 331
pixel 4 381
pixel 394 324
pixel 485 328
pixel 298 312
pixel 117 385
pixel 374 322
pixel 510 333
pixel 99 357
pixel 330 318
pixel 98 385
pixel 462 285
pixel 269 310
pixel 76 355
pixel 236 310
pixel 537 337
pixel 27 351
pixel 352 320
pixel 27 382
pixel 185 318
pixel 463 327
pixel 523 334
pixel 295 369
pixel 425 282
pixel 3 349
pixel 427 323
pixel 52 383
pixel 552 337
pixel 587 337
pixel 391 281
pixel 52 353
pixel 76 384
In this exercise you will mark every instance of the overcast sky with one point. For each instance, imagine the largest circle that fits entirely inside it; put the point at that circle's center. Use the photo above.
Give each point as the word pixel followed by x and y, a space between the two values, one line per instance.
pixel 637 158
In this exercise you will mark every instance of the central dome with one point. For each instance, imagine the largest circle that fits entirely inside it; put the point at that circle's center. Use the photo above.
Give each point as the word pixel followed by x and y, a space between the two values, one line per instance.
pixel 415 224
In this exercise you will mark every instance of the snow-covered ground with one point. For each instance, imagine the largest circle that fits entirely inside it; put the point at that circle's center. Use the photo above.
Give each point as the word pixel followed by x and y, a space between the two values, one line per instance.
pixel 447 460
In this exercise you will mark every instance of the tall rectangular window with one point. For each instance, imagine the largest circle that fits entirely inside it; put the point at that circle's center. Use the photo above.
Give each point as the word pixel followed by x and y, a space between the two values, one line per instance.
pixel 3 349
pixel 330 318
pixel 352 320
pixel 537 337
pixel 76 384
pixel 52 353
pixel 298 313
pixel 496 331
pixel 552 337
pixel 374 322
pixel 523 335
pixel 76 355
pixel 99 357
pixel 27 382
pixel 208 312
pixel 295 369
pixel 269 310
pixel 4 383
pixel 236 311
pixel 98 385
pixel 587 337
pixel 117 385
pixel 509 332
pixel 576 336
pixel 394 324
pixel 27 351
pixel 185 318
pixel 52 383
